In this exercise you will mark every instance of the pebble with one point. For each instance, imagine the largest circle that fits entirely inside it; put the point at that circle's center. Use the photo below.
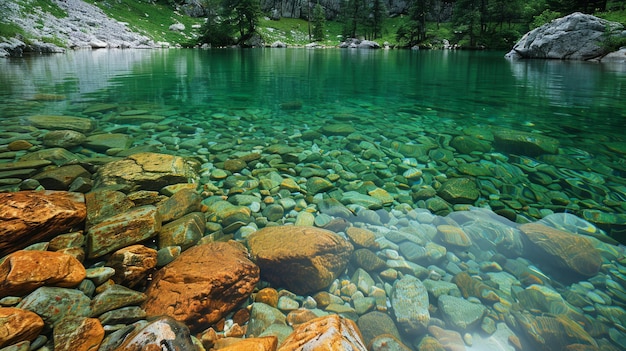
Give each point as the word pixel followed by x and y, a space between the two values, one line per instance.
pixel 388 197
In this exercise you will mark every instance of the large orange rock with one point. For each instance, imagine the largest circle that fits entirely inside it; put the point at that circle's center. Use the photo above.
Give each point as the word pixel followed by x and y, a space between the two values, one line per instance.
pixel 24 271
pixel 18 325
pixel 301 259
pixel 328 333
pixel 267 343
pixel 574 253
pixel 29 217
pixel 203 284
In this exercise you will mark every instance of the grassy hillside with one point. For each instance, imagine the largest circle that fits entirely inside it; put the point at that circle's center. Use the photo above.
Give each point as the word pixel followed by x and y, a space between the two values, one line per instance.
pixel 154 19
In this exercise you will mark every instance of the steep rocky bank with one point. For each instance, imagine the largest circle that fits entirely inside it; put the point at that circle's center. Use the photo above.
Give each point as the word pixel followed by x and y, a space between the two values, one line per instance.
pixel 85 26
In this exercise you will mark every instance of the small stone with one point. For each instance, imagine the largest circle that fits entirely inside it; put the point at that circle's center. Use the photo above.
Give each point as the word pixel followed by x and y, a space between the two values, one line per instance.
pixel 132 264
pixel 78 124
pixel 286 303
pixel 268 296
pixel 63 138
pixel 18 145
pixel 113 297
pixel 362 237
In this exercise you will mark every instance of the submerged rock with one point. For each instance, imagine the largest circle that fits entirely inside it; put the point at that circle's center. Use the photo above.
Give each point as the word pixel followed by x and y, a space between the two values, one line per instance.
pixel 409 299
pixel 325 333
pixel 202 284
pixel 28 217
pixel 574 253
pixel 301 259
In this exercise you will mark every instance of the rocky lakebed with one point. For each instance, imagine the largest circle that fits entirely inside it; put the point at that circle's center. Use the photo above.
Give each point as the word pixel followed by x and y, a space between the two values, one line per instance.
pixel 135 227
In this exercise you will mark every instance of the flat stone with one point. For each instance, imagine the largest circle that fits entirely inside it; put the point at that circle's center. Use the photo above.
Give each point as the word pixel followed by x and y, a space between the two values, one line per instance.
pixel 362 238
pixel 453 236
pixel 316 185
pixel 78 124
pixel 113 297
pixel 56 155
pixel 105 203
pixel 356 198
pixel 79 334
pixel 325 333
pixel 337 129
pixel 53 304
pixel 146 171
pixel 563 250
pixel 61 178
pixel 461 314
pixel 24 271
pixel 127 228
pixel 63 138
pixel 103 142
pixel 409 299
pixel 523 143
pixel 31 216
pixel 18 325
pixel 301 259
pixel 203 284
pixel 179 204
pixel 459 191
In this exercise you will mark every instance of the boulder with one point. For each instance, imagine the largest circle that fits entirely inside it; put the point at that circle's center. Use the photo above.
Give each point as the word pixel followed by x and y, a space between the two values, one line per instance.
pixel 29 217
pixel 565 252
pixel 18 325
pixel 203 284
pixel 301 259
pixel 574 37
pixel 146 171
pixel 328 333
pixel 24 271
pixel 618 56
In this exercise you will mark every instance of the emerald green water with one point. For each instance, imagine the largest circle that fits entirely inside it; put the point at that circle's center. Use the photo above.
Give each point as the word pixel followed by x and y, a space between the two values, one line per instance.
pixel 390 97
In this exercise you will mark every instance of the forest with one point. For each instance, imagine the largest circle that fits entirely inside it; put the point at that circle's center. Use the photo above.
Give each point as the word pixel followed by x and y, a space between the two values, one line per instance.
pixel 468 23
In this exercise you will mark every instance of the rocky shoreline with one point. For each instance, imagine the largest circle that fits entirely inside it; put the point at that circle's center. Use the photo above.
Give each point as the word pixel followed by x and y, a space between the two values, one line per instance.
pixel 225 233
pixel 84 27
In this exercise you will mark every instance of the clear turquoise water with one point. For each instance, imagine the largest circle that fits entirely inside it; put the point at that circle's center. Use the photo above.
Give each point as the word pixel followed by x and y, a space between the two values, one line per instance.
pixel 393 95
pixel 235 100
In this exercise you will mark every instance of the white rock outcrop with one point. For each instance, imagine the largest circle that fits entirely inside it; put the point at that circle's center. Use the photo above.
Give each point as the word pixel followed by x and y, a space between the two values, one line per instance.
pixel 574 37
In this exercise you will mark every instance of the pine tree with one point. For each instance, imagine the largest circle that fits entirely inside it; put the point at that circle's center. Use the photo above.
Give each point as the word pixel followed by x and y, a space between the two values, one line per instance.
pixel 319 17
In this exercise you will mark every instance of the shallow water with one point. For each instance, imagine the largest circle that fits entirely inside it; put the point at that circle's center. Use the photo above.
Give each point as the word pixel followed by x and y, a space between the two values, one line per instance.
pixel 392 95
pixel 213 104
